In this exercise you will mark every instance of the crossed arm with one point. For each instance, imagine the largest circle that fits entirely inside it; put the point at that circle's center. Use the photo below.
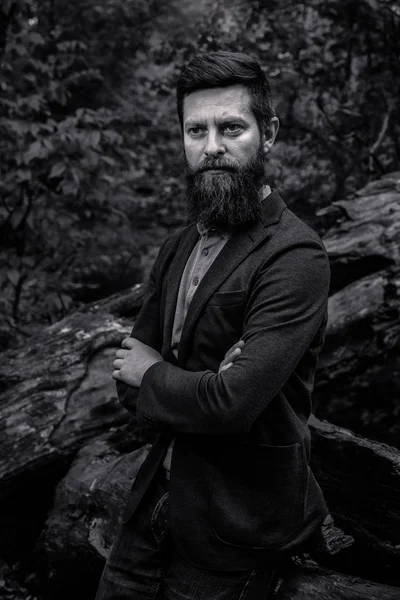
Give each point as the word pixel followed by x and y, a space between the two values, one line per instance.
pixel 135 357
pixel 286 308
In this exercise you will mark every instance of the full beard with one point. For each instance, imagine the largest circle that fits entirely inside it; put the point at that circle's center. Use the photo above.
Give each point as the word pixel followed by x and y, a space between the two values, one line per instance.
pixel 230 197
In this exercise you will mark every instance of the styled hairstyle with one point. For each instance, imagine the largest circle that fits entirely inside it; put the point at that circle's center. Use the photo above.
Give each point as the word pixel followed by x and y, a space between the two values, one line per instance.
pixel 222 69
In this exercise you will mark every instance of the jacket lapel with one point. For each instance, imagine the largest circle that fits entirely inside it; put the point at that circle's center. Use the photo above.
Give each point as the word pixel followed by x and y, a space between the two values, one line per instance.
pixel 240 244
pixel 173 279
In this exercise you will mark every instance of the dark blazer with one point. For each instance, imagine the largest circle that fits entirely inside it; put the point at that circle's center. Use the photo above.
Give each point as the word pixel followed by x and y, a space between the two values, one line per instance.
pixel 241 490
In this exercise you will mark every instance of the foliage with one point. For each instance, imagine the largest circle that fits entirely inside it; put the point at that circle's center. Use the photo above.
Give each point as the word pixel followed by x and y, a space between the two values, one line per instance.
pixel 90 158
pixel 334 68
pixel 64 171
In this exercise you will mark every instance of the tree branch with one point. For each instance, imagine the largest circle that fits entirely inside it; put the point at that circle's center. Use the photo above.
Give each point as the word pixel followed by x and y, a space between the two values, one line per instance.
pixel 378 142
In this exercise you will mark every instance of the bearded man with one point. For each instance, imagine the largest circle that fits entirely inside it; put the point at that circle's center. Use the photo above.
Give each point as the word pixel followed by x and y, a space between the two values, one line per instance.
pixel 221 363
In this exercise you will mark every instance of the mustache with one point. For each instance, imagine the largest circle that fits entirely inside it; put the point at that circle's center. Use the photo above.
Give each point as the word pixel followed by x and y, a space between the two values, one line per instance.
pixel 210 164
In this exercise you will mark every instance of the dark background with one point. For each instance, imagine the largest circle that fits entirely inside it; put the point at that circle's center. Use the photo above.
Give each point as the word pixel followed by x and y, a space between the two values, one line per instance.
pixel 91 183
pixel 90 154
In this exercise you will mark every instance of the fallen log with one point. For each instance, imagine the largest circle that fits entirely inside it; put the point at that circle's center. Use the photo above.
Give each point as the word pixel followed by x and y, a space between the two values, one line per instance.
pixel 87 508
pixel 357 383
pixel 304 580
pixel 361 482
pixel 89 500
pixel 57 392
pixel 57 397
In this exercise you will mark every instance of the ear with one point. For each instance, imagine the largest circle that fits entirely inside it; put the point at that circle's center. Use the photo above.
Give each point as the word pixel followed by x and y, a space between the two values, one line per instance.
pixel 269 134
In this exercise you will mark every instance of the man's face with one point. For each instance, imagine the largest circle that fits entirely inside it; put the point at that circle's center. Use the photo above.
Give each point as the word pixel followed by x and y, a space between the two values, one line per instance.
pixel 219 122
pixel 224 151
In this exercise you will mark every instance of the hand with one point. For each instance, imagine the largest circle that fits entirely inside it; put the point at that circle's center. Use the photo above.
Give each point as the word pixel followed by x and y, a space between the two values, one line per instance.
pixel 231 355
pixel 133 360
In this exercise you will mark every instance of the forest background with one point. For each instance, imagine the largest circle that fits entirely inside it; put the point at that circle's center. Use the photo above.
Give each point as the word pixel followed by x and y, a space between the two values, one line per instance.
pixel 90 153
pixel 91 183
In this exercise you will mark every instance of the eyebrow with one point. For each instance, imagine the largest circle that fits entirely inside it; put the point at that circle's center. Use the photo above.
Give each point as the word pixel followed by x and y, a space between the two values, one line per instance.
pixel 221 121
pixel 194 123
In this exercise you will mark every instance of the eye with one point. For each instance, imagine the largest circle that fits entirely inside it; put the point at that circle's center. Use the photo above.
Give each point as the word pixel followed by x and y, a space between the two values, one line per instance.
pixel 232 128
pixel 195 131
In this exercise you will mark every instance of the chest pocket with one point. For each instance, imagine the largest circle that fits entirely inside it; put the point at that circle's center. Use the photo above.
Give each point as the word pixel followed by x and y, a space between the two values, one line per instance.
pixel 221 324
pixel 228 298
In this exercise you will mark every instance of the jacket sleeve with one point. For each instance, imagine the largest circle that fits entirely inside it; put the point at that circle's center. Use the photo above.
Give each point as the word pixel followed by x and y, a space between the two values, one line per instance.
pixel 286 307
pixel 147 330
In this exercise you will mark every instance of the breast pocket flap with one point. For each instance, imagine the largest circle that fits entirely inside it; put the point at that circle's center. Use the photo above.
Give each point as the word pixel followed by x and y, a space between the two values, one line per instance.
pixel 227 298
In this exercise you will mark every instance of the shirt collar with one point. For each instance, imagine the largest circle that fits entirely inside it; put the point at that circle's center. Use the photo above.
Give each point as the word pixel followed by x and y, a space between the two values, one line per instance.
pixel 266 190
pixel 226 231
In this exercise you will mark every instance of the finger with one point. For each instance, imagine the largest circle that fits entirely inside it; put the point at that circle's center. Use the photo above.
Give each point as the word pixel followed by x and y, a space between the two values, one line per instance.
pixel 224 362
pixel 128 343
pixel 228 352
pixel 116 375
pixel 118 362
pixel 225 367
pixel 236 352
pixel 239 344
pixel 230 357
pixel 121 353
pixel 233 355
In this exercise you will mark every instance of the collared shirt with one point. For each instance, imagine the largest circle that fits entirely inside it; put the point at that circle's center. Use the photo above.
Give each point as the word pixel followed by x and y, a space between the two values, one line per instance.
pixel 200 260
pixel 203 255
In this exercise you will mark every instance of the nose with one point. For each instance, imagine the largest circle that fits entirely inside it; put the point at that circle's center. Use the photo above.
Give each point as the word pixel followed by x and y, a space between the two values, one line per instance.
pixel 214 144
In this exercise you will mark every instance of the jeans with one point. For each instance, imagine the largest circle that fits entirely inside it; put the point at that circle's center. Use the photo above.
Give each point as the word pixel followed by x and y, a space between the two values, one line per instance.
pixel 144 564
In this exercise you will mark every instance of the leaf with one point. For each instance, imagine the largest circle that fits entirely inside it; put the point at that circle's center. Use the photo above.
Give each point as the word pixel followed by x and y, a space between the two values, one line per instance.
pixel 69 189
pixel 28 261
pixel 47 144
pixel 57 170
pixel 108 160
pixel 95 138
pixel 75 177
pixel 13 276
pixel 23 175
pixel 66 300
pixel 34 151
pixel 36 38
pixel 20 49
pixel 108 178
pixel 55 301
pixel 113 137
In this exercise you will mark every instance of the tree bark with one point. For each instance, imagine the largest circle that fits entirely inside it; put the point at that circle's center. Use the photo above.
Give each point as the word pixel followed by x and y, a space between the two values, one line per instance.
pixel 57 392
pixel 357 383
pixel 89 500
pixel 307 581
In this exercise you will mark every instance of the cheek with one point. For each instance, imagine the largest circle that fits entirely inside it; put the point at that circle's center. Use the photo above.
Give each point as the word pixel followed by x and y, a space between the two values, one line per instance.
pixel 246 148
pixel 192 154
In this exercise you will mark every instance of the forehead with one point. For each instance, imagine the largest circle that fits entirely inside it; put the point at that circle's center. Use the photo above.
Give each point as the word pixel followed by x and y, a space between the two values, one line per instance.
pixel 218 103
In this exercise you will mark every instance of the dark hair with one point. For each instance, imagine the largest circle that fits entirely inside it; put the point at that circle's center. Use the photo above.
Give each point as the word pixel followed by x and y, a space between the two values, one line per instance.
pixel 221 69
